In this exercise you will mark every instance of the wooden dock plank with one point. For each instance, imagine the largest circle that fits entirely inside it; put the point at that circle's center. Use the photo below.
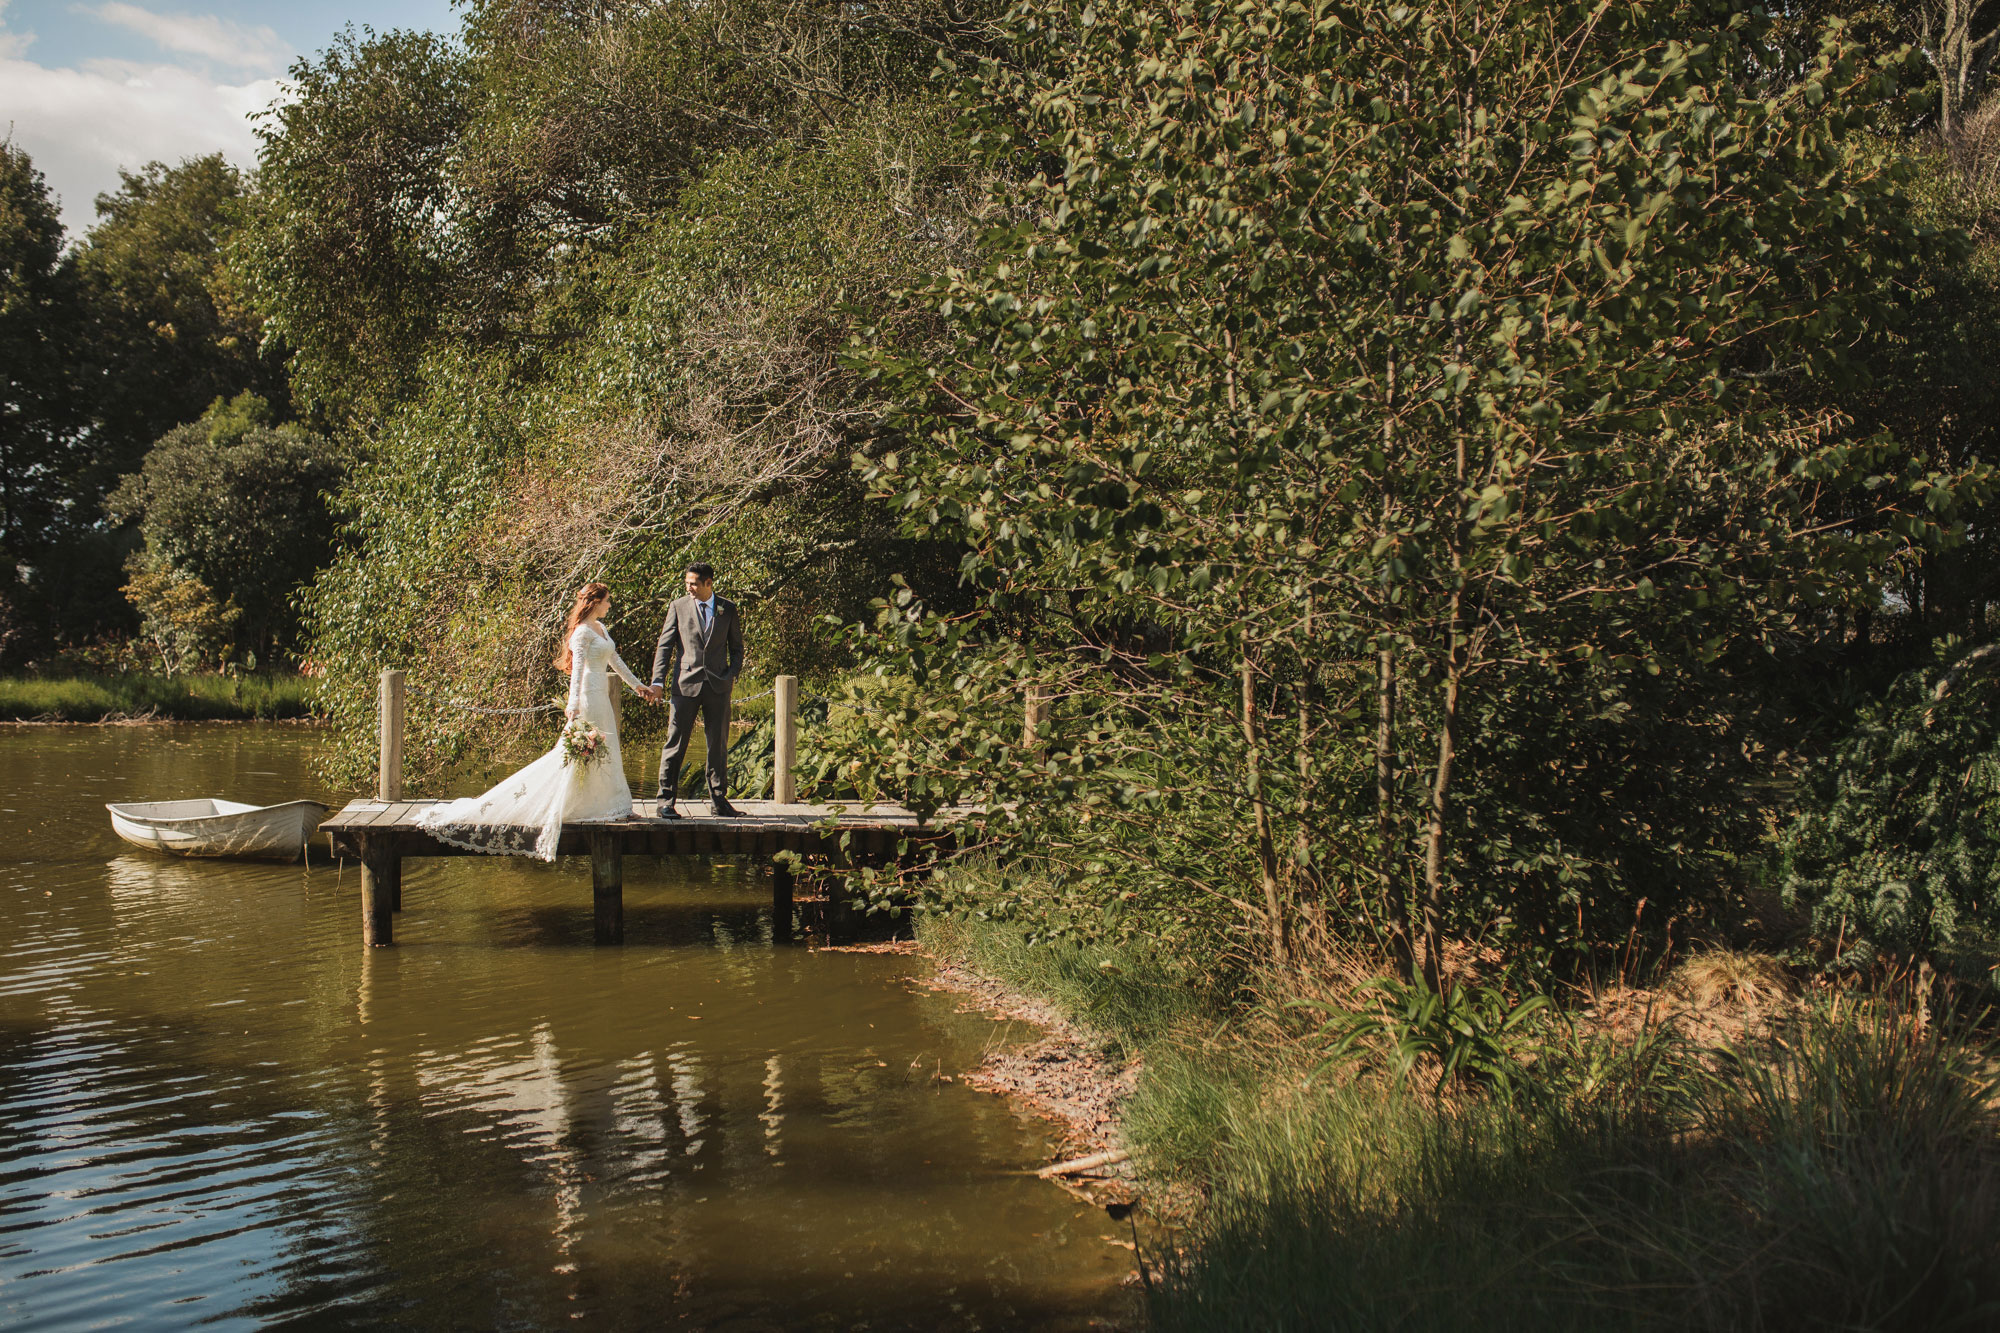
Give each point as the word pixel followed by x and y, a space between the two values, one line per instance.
pixel 352 815
pixel 844 832
pixel 839 833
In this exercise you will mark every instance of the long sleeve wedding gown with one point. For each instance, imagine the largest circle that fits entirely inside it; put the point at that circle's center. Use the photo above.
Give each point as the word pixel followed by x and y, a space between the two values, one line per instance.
pixel 523 814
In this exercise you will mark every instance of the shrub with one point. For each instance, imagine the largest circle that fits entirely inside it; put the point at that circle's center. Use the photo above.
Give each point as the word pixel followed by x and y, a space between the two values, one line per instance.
pixel 1467 1031
pixel 1896 848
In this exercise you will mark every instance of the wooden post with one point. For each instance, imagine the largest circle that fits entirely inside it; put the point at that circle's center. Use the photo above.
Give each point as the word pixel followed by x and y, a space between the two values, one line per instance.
pixel 381 889
pixel 839 909
pixel 781 900
pixel 839 898
pixel 1036 714
pixel 785 749
pixel 607 887
pixel 389 718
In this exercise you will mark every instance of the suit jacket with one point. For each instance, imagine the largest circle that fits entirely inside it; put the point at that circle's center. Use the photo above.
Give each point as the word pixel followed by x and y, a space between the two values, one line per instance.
pixel 699 659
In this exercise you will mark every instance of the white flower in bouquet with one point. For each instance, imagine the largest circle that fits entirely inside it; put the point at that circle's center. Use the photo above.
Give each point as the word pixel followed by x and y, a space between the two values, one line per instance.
pixel 582 743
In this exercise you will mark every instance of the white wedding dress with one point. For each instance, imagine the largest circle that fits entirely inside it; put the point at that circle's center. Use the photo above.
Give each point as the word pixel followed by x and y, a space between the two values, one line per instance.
pixel 523 814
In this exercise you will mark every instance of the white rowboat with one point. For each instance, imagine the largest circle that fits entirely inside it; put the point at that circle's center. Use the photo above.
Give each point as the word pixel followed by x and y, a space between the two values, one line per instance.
pixel 211 827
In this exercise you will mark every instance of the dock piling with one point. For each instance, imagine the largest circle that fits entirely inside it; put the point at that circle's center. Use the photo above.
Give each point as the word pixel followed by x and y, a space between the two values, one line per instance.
pixel 1035 716
pixel 785 747
pixel 607 887
pixel 781 900
pixel 825 841
pixel 381 889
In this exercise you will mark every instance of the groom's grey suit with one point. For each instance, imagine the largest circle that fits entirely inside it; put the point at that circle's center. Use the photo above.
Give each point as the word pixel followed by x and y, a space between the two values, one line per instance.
pixel 704 659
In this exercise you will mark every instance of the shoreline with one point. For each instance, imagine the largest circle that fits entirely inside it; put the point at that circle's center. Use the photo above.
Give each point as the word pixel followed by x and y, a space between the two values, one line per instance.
pixel 1067 1076
pixel 149 720
pixel 138 698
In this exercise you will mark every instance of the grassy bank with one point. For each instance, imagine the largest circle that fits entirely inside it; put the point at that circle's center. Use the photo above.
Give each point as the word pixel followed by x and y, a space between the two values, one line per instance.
pixel 1842 1171
pixel 134 695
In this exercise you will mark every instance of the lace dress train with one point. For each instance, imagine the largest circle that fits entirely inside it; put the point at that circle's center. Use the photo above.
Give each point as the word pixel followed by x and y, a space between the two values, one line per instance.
pixel 523 814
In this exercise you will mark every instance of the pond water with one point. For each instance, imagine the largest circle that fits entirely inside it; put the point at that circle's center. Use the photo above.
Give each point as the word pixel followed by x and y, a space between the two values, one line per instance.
pixel 217 1108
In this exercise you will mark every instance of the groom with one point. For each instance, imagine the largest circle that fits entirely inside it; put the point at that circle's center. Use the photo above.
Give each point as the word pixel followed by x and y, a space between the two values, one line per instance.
pixel 702 643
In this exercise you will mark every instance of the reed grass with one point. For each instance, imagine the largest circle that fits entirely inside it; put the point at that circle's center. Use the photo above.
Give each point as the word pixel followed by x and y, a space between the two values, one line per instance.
pixel 1841 1172
pixel 95 698
pixel 1132 999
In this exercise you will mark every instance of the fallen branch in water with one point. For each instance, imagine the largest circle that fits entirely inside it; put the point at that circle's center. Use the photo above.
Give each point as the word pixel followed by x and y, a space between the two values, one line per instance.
pixel 1076 1165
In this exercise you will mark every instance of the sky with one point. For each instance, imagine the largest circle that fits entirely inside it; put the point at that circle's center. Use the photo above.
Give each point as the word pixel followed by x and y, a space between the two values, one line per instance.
pixel 89 86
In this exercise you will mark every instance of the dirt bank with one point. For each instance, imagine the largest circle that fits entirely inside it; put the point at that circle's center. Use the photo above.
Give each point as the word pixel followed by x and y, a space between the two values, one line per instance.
pixel 1069 1075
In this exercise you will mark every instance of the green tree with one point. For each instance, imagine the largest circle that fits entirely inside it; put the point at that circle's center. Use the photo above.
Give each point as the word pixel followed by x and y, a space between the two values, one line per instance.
pixel 38 402
pixel 349 253
pixel 179 615
pixel 1377 418
pixel 234 513
pixel 580 283
pixel 170 330
pixel 419 195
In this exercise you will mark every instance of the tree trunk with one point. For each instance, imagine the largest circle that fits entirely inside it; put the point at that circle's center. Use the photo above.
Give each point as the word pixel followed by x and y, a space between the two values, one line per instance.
pixel 1927 603
pixel 1961 52
pixel 1305 875
pixel 1440 796
pixel 1395 902
pixel 1389 877
pixel 1267 853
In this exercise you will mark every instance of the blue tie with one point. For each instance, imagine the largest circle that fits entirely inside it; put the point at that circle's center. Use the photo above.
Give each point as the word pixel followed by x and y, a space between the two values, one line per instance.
pixel 704 617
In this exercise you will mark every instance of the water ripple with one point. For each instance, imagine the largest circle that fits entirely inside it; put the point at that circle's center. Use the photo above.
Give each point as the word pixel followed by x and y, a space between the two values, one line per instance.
pixel 216 1109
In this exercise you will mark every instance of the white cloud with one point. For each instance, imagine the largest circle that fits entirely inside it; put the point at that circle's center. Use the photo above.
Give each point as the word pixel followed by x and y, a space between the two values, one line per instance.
pixel 12 44
pixel 238 45
pixel 81 125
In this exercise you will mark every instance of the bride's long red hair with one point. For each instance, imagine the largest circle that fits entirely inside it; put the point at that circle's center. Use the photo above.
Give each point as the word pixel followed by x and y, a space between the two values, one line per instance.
pixel 586 597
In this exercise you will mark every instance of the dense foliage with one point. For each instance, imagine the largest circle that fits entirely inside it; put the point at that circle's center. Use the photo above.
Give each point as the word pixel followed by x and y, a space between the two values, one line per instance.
pixel 233 512
pixel 135 330
pixel 1428 474
pixel 579 285
pixel 170 330
pixel 37 316
pixel 1896 849
pixel 1392 438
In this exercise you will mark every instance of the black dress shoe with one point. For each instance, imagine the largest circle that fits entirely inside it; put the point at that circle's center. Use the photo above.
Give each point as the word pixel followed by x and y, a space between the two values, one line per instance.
pixel 666 811
pixel 722 810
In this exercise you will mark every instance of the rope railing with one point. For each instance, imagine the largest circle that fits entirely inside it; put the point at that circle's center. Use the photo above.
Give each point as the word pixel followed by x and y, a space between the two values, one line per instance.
pixel 483 711
pixel 464 707
pixel 394 686
pixel 502 712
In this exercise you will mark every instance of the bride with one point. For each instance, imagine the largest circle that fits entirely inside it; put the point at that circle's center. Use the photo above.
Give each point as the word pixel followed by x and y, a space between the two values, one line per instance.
pixel 524 813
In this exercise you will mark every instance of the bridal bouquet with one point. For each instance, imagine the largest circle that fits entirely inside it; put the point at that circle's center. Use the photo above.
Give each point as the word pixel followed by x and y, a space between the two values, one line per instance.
pixel 582 744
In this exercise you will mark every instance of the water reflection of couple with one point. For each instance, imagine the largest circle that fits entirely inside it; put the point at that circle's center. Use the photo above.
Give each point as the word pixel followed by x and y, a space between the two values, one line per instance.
pixel 701 643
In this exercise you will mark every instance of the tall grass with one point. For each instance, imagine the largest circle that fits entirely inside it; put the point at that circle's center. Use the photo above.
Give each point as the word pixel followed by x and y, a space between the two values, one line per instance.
pixel 1135 1000
pixel 1844 1175
pixel 1841 1173
pixel 185 698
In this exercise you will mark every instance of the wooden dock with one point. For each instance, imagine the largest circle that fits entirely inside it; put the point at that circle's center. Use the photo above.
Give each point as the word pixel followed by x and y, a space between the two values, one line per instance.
pixel 380 833
pixel 839 836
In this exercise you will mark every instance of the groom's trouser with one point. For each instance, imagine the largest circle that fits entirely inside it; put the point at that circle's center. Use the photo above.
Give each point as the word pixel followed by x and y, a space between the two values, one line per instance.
pixel 713 705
